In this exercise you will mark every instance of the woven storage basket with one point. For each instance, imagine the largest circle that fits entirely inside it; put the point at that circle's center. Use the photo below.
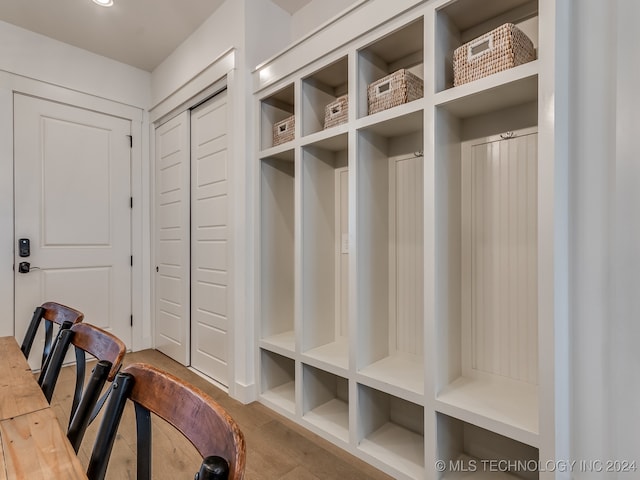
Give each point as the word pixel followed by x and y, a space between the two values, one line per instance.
pixel 336 112
pixel 283 131
pixel 395 89
pixel 500 49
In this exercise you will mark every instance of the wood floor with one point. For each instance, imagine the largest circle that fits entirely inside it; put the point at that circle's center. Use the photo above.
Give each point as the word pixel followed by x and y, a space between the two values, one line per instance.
pixel 276 447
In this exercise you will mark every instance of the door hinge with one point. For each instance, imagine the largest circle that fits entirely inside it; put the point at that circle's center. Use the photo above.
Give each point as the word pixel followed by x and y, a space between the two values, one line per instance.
pixel 130 202
pixel 130 141
pixel 131 260
pixel 131 319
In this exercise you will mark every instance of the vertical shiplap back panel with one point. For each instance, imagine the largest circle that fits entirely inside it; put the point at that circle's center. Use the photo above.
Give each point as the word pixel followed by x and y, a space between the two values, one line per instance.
pixel 501 238
pixel 409 255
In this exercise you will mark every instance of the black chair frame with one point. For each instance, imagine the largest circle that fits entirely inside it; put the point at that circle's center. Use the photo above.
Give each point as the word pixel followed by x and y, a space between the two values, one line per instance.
pixel 36 319
pixel 86 398
pixel 212 467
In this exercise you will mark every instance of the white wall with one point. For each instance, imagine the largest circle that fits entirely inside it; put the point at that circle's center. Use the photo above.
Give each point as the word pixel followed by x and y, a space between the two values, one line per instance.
pixel 625 314
pixel 38 57
pixel 314 14
pixel 220 32
pixel 605 225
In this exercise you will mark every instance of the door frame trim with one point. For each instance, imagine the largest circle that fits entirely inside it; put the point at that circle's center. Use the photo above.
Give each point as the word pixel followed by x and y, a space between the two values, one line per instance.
pixel 11 84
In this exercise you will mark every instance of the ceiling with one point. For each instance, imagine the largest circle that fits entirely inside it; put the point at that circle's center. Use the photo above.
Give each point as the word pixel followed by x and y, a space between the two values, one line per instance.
pixel 141 33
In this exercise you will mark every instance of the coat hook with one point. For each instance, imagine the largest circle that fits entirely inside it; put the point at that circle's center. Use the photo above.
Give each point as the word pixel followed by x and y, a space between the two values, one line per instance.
pixel 507 135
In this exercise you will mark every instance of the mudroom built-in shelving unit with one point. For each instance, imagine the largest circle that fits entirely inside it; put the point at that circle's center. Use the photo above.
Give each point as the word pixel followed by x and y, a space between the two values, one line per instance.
pixel 405 254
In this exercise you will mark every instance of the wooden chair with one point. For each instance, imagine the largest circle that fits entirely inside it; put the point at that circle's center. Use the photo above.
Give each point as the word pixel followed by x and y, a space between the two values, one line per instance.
pixel 197 416
pixel 51 312
pixel 102 345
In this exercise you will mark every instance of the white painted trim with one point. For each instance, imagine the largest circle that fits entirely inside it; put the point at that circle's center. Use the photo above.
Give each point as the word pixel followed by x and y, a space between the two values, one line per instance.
pixel 10 84
pixel 37 88
pixel 245 393
pixel 183 96
pixel 6 212
pixel 344 30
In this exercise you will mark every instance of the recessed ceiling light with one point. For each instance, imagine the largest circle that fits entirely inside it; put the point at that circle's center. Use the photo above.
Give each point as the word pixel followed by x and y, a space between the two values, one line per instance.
pixel 104 3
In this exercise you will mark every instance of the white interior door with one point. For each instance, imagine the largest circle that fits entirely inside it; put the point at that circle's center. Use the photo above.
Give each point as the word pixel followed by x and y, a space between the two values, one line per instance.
pixel 72 201
pixel 209 234
pixel 172 212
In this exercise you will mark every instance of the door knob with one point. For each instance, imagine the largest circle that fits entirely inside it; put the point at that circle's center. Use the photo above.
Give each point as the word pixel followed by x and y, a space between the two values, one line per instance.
pixel 25 267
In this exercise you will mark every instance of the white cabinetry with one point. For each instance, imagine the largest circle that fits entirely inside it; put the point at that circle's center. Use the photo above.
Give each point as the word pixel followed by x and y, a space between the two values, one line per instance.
pixel 400 252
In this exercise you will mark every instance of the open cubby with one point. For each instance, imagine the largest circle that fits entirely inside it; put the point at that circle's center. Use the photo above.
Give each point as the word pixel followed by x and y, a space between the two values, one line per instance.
pixel 275 108
pixel 277 252
pixel 325 402
pixel 473 453
pixel 391 431
pixel 278 381
pixel 325 252
pixel 486 269
pixel 319 90
pixel 461 21
pixel 403 48
pixel 390 266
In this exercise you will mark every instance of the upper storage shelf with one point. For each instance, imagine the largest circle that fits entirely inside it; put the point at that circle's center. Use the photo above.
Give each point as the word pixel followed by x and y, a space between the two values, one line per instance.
pixel 273 110
pixel 320 91
pixel 402 49
pixel 462 21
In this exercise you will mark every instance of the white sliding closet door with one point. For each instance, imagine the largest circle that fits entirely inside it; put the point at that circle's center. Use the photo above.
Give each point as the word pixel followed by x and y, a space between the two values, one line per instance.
pixel 209 234
pixel 172 212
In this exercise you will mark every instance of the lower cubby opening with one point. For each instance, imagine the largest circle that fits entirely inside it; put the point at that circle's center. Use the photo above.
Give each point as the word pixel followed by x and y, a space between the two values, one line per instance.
pixel 326 402
pixel 466 451
pixel 391 431
pixel 278 381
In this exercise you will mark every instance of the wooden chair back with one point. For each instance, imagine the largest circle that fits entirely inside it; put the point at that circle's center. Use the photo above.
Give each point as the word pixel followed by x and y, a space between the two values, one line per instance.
pixel 108 349
pixel 52 313
pixel 192 412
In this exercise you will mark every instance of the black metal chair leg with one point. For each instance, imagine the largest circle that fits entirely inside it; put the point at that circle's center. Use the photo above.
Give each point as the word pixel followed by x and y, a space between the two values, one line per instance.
pixel 50 374
pixel 80 419
pixel 66 325
pixel 81 367
pixel 143 427
pixel 122 385
pixel 30 336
